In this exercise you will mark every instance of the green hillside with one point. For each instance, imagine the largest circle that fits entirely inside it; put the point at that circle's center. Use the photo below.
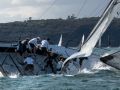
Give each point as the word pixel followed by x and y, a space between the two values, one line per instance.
pixel 71 28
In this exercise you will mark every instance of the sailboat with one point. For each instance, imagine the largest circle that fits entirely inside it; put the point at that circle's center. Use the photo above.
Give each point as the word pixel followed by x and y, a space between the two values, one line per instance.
pixel 11 62
pixel 99 29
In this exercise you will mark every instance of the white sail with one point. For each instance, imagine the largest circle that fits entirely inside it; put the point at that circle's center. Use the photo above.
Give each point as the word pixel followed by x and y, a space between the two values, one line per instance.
pixel 60 41
pixel 81 42
pixel 79 45
pixel 97 32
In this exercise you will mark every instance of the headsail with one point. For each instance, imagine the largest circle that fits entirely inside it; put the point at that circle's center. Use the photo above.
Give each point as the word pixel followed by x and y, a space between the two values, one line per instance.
pixel 97 32
pixel 60 41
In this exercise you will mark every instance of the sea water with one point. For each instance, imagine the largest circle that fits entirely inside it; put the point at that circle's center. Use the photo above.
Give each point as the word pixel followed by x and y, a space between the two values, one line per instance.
pixel 100 80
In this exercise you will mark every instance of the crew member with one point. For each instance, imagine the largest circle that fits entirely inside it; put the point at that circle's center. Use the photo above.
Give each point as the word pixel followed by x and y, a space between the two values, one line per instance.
pixel 29 62
pixel 44 46
pixel 49 62
pixel 33 44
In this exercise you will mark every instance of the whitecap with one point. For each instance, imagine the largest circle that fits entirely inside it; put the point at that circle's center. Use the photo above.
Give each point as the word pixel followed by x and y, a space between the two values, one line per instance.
pixel 13 75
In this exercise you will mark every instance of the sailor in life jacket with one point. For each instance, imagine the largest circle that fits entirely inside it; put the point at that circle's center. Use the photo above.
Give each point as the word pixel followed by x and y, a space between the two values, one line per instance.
pixel 19 48
pixel 29 62
pixel 60 62
pixel 22 46
pixel 33 44
pixel 49 62
pixel 44 46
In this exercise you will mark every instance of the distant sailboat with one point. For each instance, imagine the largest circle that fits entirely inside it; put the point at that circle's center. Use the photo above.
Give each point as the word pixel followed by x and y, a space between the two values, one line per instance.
pixel 60 41
pixel 82 41
pixel 97 32
pixel 80 44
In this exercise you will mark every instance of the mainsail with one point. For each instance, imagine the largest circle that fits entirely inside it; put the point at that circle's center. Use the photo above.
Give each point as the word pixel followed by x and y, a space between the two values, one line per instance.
pixel 60 41
pixel 97 32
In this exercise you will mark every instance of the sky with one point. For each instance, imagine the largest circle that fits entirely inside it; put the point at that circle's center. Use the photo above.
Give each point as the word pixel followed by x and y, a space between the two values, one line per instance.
pixel 20 10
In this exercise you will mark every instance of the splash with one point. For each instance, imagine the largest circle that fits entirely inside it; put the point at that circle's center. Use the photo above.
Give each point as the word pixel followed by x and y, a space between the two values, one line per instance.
pixel 13 75
pixel 69 75
pixel 86 71
pixel 98 66
pixel 91 67
pixel 101 66
pixel 55 75
pixel 1 75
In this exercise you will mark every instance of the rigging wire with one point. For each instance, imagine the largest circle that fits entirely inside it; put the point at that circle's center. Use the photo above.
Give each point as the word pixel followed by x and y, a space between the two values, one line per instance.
pixel 45 12
pixel 96 9
pixel 100 11
pixel 82 6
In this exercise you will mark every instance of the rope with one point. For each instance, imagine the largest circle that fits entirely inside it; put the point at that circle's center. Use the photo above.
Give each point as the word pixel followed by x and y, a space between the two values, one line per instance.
pixel 100 11
pixel 15 64
pixel 2 66
pixel 82 6
pixel 96 10
pixel 45 12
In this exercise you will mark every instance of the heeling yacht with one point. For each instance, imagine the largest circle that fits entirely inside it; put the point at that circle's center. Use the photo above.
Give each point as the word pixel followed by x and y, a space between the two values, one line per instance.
pixel 87 48
pixel 11 63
